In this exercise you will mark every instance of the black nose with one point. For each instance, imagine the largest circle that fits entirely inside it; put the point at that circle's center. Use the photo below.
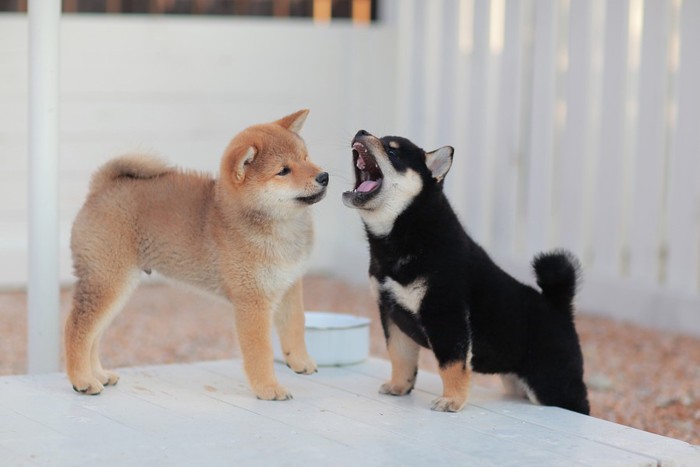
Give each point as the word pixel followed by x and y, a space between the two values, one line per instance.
pixel 361 133
pixel 322 178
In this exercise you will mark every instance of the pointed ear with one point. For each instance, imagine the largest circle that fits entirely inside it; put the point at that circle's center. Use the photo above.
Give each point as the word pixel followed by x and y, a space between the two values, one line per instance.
pixel 439 162
pixel 295 121
pixel 241 159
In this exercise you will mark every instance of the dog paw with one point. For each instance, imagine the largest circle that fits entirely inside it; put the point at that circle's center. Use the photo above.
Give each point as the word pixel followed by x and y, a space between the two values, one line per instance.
pixel 395 389
pixel 89 386
pixel 301 365
pixel 448 404
pixel 273 392
pixel 108 378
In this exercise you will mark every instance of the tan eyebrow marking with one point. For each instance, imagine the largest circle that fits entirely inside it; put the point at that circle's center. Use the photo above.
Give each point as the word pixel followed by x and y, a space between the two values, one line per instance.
pixel 394 145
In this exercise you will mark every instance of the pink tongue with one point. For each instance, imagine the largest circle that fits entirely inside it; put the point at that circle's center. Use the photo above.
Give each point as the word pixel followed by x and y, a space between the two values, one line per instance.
pixel 367 185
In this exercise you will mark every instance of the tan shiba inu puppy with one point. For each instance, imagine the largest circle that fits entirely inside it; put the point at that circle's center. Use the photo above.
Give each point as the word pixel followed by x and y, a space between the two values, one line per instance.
pixel 245 236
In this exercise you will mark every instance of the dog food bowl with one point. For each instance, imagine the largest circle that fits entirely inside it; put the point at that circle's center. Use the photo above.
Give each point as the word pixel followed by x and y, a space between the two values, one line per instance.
pixel 333 339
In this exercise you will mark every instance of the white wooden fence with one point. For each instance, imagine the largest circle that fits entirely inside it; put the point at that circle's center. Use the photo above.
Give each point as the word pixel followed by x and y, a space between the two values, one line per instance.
pixel 575 124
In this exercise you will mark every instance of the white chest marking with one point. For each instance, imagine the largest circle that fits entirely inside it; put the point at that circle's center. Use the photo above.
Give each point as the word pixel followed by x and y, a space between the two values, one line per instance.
pixel 409 296
pixel 393 200
pixel 287 256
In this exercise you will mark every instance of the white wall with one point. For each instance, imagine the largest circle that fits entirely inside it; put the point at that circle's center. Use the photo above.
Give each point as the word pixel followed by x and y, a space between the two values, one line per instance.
pixel 181 88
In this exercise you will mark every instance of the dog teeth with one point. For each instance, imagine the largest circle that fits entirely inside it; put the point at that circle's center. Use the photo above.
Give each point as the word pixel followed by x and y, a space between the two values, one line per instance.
pixel 361 162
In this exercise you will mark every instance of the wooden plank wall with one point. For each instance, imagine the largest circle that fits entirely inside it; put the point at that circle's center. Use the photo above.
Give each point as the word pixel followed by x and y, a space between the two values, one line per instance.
pixel 575 124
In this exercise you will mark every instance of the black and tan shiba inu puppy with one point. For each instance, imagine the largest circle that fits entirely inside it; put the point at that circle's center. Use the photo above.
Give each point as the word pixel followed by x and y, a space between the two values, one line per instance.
pixel 245 236
pixel 439 289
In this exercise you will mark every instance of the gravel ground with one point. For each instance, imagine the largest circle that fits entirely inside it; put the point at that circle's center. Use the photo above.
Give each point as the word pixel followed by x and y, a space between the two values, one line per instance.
pixel 636 376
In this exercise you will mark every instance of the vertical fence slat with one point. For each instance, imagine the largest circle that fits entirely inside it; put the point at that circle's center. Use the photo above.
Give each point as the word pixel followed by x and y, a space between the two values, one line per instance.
pixel 635 14
pixel 455 185
pixel 410 86
pixel 491 75
pixel 541 151
pixel 507 137
pixel 650 144
pixel 448 26
pixel 575 146
pixel 684 181
pixel 592 128
pixel 434 74
pixel 609 174
pixel 475 157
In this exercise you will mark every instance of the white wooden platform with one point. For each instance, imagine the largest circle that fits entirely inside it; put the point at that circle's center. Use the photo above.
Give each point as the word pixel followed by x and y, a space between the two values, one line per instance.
pixel 204 414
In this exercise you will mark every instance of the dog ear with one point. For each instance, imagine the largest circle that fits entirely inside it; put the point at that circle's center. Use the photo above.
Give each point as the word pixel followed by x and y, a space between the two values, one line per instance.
pixel 295 121
pixel 242 158
pixel 439 162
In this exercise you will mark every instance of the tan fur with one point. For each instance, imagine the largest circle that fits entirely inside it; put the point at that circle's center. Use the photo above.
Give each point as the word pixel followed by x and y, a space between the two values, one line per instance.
pixel 403 352
pixel 455 387
pixel 244 236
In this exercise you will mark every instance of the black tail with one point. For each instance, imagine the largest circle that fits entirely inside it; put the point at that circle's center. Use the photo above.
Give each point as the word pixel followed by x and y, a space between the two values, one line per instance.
pixel 557 274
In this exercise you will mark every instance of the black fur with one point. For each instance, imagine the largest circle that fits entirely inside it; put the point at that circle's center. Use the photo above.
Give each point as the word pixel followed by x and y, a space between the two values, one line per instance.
pixel 470 302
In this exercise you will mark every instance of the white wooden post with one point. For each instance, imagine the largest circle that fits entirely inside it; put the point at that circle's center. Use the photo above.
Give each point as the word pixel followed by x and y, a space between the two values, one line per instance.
pixel 43 288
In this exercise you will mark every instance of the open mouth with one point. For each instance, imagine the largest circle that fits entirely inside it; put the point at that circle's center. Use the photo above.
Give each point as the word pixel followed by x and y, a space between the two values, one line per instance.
pixel 368 175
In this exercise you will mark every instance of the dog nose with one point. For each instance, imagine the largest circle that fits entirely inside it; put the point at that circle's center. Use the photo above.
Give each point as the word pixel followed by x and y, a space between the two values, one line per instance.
pixel 322 178
pixel 361 133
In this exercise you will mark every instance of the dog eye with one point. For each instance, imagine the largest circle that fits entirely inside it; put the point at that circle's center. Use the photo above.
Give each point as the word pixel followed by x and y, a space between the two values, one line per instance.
pixel 391 153
pixel 284 171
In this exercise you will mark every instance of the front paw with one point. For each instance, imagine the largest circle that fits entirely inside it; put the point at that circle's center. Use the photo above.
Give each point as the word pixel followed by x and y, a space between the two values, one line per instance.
pixel 304 365
pixel 396 389
pixel 272 392
pixel 89 385
pixel 448 404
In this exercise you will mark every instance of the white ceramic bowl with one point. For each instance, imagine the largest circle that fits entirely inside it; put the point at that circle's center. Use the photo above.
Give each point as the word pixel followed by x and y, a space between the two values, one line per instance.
pixel 333 339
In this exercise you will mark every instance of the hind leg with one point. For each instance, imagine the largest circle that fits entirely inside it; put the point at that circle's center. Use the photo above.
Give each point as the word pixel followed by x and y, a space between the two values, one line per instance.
pixel 557 388
pixel 513 386
pixel 95 303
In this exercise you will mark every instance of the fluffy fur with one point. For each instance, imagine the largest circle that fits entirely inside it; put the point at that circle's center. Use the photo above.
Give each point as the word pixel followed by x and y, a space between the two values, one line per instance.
pixel 245 236
pixel 437 288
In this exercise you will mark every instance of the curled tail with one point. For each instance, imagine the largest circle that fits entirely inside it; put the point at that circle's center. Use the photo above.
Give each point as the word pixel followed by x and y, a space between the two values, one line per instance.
pixel 131 166
pixel 557 273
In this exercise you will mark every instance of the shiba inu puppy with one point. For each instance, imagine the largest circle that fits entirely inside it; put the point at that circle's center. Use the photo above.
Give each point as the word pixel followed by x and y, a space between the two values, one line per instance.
pixel 244 236
pixel 439 289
